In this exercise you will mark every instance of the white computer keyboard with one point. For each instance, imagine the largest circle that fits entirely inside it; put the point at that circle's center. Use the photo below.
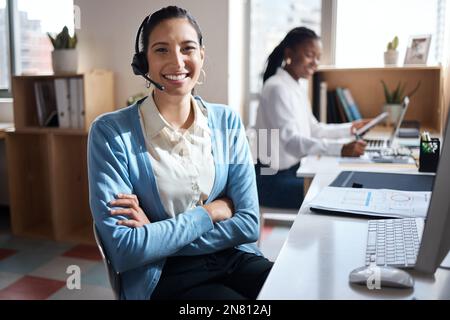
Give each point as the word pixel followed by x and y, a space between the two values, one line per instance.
pixel 394 242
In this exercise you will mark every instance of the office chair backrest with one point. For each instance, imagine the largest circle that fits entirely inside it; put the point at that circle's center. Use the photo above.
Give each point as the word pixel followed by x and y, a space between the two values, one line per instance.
pixel 114 277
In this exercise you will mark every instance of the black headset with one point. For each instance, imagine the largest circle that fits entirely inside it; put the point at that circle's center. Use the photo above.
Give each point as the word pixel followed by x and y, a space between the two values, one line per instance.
pixel 140 63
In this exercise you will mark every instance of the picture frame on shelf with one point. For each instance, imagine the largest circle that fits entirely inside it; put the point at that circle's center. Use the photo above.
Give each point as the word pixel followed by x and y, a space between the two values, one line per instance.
pixel 418 49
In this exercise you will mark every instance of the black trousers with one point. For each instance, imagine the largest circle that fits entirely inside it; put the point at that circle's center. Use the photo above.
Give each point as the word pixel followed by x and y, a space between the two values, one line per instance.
pixel 230 274
pixel 281 190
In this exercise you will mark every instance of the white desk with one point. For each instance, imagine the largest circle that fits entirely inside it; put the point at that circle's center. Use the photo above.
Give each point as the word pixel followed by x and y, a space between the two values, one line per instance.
pixel 320 252
pixel 311 165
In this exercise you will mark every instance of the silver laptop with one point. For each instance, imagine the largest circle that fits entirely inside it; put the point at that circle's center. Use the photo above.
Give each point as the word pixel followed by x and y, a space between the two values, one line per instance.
pixel 379 145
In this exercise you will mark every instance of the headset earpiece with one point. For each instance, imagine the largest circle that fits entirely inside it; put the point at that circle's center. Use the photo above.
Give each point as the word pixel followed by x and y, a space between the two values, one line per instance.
pixel 140 64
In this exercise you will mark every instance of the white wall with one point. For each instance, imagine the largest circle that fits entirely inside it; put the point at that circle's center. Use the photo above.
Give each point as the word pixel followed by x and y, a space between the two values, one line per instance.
pixel 236 52
pixel 6 110
pixel 108 31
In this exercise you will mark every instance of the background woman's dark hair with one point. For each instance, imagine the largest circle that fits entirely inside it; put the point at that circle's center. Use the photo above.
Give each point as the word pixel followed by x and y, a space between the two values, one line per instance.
pixel 294 37
pixel 170 12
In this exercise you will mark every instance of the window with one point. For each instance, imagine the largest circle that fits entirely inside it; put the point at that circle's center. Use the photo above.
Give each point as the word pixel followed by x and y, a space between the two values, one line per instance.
pixel 4 63
pixel 270 21
pixel 32 20
pixel 364 29
pixel 23 26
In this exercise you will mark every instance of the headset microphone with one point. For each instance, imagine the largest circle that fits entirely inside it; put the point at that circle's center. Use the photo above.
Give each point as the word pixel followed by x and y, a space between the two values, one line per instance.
pixel 138 71
pixel 140 63
pixel 156 84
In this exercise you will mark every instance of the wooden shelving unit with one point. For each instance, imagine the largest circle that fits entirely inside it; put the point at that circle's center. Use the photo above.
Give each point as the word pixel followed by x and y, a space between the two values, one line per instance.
pixel 5 126
pixel 48 182
pixel 365 85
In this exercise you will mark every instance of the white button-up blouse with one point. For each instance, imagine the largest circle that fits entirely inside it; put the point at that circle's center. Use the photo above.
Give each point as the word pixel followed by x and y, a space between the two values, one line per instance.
pixel 285 106
pixel 182 160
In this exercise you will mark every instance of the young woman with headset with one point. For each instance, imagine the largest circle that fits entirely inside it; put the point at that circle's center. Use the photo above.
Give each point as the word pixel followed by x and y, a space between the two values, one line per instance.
pixel 171 179
pixel 284 107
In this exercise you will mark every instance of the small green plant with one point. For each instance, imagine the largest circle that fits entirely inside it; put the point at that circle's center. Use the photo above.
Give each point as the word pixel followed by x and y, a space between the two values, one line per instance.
pixel 63 40
pixel 393 44
pixel 396 96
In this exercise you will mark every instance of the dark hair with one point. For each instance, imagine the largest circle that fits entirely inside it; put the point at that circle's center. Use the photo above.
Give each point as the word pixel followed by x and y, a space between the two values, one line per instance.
pixel 166 13
pixel 294 37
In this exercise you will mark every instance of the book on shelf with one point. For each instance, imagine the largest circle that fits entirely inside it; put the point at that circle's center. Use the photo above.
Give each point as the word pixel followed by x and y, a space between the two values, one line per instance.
pixel 323 102
pixel 70 102
pixel 74 98
pixel 316 97
pixel 354 109
pixel 80 105
pixel 344 103
pixel 46 105
pixel 340 111
pixel 63 102
pixel 332 116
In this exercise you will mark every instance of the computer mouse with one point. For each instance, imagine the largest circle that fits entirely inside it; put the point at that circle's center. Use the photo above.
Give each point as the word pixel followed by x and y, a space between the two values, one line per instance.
pixel 377 277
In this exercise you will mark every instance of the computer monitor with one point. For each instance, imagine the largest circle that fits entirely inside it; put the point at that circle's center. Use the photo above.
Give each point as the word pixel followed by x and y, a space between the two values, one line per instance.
pixel 435 243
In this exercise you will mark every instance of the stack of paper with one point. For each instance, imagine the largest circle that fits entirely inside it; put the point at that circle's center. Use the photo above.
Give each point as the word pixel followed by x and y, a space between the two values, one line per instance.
pixel 373 202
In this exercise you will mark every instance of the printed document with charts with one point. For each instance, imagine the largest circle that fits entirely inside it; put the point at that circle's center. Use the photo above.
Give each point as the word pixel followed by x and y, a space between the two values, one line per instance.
pixel 373 202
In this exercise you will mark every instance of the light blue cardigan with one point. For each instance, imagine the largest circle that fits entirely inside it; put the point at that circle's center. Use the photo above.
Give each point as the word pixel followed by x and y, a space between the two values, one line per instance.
pixel 118 163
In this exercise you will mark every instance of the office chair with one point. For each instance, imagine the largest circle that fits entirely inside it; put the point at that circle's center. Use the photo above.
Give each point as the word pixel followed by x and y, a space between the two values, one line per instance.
pixel 114 277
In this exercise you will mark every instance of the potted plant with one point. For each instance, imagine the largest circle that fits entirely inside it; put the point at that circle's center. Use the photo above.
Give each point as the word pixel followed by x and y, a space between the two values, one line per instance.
pixel 391 55
pixel 394 99
pixel 64 55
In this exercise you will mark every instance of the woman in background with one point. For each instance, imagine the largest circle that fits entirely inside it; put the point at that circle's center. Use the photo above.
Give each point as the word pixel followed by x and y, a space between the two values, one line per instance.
pixel 285 106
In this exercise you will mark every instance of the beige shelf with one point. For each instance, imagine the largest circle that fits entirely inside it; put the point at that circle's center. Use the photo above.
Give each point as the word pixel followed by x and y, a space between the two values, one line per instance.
pixel 5 127
pixel 98 97
pixel 48 181
pixel 71 205
pixel 42 76
pixel 29 186
pixel 41 130
pixel 367 90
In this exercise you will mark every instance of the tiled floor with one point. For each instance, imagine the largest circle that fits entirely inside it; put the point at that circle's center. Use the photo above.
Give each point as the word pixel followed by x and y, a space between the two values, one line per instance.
pixel 37 269
pixel 272 239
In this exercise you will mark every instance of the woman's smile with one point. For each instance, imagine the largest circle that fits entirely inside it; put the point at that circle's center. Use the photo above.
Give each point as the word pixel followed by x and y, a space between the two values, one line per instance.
pixel 176 78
